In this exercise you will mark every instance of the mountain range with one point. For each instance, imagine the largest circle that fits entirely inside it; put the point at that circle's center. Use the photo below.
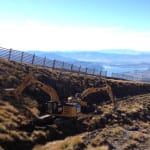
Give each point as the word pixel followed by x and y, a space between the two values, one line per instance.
pixel 100 59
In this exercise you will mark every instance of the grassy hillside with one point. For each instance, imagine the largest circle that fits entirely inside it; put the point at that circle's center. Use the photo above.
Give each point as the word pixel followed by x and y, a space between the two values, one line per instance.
pixel 126 128
pixel 18 126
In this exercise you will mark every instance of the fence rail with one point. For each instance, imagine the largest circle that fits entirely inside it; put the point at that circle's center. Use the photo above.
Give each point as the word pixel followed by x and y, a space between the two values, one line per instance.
pixel 27 58
pixel 132 76
pixel 122 76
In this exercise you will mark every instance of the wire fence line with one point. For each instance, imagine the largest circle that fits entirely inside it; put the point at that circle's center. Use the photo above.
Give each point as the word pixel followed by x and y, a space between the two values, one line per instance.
pixel 123 76
pixel 134 75
pixel 27 58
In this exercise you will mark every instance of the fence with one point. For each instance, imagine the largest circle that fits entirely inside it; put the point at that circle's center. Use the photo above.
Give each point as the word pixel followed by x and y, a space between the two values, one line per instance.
pixel 131 76
pixel 123 76
pixel 27 58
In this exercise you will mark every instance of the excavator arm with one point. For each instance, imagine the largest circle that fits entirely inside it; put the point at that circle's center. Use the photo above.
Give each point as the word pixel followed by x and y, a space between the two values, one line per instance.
pixel 29 80
pixel 89 91
pixel 47 89
pixel 106 88
pixel 110 93
pixel 23 85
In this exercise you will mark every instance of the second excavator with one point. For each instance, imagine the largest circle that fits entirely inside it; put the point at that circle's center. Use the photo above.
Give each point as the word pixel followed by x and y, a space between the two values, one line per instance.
pixel 79 98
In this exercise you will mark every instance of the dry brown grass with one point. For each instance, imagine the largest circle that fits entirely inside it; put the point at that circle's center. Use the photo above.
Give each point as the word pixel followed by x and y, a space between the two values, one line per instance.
pixel 6 137
pixel 36 134
pixel 18 135
pixel 117 131
pixel 66 144
pixel 97 141
pixel 103 147
pixel 8 115
pixel 140 137
pixel 14 115
pixel 69 143
pixel 130 145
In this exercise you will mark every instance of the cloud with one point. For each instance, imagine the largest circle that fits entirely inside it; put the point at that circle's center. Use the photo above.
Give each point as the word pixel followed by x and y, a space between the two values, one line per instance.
pixel 32 35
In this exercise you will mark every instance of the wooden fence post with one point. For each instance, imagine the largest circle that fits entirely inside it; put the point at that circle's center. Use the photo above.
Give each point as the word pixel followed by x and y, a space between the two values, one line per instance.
pixel 86 70
pixel 71 67
pixel 63 65
pixel 9 56
pixel 33 59
pixel 100 73
pixel 105 73
pixel 79 69
pixel 44 61
pixel 93 71
pixel 21 57
pixel 54 61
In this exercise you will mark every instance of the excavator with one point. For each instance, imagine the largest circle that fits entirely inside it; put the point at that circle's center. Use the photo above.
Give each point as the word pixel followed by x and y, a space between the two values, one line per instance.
pixel 70 109
pixel 54 107
pixel 79 98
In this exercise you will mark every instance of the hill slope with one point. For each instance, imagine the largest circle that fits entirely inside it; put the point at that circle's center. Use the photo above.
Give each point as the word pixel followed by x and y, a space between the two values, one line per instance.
pixel 18 127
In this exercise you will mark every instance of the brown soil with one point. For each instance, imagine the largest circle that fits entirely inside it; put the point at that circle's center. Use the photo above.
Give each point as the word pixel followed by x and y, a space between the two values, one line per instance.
pixel 127 127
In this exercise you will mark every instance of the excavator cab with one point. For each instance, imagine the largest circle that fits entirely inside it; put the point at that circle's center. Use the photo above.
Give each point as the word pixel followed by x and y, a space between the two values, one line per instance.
pixel 63 110
pixel 53 107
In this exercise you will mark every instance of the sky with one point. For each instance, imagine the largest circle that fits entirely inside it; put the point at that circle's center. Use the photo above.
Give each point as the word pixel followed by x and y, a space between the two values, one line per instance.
pixel 52 25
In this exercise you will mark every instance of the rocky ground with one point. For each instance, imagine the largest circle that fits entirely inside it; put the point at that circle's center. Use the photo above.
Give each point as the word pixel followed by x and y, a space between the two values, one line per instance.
pixel 125 127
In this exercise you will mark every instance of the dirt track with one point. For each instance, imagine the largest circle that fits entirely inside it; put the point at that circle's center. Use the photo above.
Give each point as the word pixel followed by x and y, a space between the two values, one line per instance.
pixel 18 129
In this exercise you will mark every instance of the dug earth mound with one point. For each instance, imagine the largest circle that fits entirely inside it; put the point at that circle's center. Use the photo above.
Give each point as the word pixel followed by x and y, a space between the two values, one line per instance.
pixel 126 127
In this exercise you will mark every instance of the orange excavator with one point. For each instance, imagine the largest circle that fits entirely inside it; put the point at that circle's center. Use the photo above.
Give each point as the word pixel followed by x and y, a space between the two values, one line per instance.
pixel 54 107
pixel 79 98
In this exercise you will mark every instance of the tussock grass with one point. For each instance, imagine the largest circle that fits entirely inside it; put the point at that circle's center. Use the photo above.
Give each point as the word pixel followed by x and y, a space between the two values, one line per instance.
pixel 132 144
pixel 138 136
pixel 66 144
pixel 15 114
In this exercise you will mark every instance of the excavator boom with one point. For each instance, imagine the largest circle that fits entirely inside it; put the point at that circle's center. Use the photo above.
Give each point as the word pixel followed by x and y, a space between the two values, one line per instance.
pixel 29 80
pixel 106 88
pixel 54 107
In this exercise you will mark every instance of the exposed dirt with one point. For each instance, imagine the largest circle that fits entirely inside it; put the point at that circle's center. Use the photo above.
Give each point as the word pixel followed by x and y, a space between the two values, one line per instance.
pixel 127 127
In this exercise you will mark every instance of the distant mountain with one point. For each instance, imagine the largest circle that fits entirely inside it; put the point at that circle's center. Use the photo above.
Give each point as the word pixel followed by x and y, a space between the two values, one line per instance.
pixel 52 55
pixel 63 56
pixel 100 59
pixel 121 51
pixel 109 57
